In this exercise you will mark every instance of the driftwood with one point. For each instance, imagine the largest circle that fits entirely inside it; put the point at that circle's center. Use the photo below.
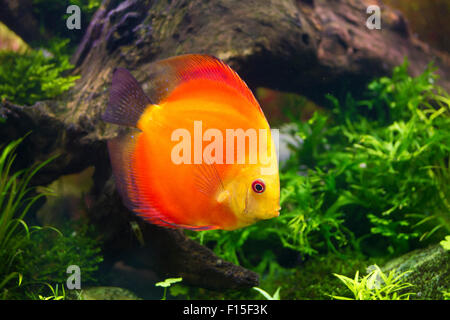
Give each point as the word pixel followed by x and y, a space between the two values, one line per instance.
pixel 309 47
pixel 18 16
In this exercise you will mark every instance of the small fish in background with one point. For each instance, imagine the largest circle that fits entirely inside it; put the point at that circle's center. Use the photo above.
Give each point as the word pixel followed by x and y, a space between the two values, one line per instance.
pixel 196 196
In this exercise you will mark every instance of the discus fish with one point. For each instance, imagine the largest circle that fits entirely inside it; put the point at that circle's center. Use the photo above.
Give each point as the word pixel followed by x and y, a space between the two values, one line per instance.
pixel 179 166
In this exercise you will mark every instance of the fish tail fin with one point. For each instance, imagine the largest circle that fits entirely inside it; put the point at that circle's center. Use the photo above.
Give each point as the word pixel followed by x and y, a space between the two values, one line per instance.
pixel 122 158
pixel 127 100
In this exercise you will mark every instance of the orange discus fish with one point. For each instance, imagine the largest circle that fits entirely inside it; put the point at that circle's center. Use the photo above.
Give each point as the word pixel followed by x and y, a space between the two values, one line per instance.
pixel 200 154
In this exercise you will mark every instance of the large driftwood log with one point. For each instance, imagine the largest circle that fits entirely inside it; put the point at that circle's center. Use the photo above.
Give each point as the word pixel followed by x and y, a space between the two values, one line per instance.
pixel 304 46
pixel 18 16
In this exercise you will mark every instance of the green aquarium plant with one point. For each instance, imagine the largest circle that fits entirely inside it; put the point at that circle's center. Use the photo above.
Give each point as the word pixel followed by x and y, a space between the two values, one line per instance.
pixel 55 294
pixel 446 243
pixel 166 284
pixel 34 259
pixel 446 295
pixel 403 148
pixel 49 254
pixel 275 296
pixel 382 165
pixel 15 202
pixel 35 75
pixel 376 285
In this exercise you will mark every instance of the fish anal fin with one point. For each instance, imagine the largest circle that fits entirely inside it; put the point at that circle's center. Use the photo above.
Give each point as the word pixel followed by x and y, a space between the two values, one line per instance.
pixel 168 224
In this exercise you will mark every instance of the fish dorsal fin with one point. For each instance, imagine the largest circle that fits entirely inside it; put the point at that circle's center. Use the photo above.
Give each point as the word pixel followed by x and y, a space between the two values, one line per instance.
pixel 165 75
pixel 127 100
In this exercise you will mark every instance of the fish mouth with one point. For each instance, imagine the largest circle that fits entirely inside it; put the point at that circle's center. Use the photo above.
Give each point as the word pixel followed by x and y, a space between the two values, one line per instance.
pixel 277 212
pixel 273 214
pixel 270 214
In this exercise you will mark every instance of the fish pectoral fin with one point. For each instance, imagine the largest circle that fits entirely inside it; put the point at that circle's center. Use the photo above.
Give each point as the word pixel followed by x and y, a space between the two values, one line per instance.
pixel 223 196
pixel 207 179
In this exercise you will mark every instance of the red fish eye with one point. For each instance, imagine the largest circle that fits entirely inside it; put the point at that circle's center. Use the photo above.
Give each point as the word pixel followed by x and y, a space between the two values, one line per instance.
pixel 258 186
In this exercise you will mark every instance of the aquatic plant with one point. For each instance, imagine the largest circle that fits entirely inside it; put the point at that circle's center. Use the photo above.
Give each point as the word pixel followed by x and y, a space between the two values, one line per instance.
pixel 446 295
pixel 15 202
pixel 166 284
pixel 49 254
pixel 33 257
pixel 402 147
pixel 35 75
pixel 275 296
pixel 376 285
pixel 382 162
pixel 446 243
pixel 55 294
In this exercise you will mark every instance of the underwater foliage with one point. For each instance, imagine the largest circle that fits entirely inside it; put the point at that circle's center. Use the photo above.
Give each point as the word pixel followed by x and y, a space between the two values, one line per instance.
pixel 35 75
pixel 371 175
pixel 166 284
pixel 376 286
pixel 32 258
pixel 275 296
pixel 397 157
pixel 15 202
pixel 446 243
pixel 56 294
pixel 73 245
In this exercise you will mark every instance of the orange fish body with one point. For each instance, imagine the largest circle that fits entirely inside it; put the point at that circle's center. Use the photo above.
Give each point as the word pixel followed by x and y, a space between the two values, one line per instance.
pixel 170 169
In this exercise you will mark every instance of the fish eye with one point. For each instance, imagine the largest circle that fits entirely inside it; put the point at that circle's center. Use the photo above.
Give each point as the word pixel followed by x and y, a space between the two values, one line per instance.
pixel 258 186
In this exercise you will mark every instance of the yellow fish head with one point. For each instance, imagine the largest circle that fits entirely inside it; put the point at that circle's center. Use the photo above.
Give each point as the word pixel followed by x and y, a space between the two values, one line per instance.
pixel 255 195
